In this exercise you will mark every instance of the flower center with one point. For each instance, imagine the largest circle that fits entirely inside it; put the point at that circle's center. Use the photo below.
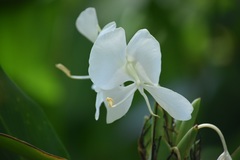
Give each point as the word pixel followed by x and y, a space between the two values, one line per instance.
pixel 132 72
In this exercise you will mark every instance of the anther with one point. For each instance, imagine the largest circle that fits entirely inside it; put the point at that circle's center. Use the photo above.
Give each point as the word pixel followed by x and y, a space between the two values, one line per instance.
pixel 110 101
pixel 64 69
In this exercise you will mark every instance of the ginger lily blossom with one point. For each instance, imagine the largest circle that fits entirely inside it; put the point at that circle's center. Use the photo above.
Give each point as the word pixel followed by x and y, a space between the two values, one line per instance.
pixel 113 62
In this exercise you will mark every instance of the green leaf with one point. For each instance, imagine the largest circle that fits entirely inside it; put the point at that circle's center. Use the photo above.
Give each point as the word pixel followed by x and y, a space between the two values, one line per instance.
pixel 236 154
pixel 25 149
pixel 186 143
pixel 183 127
pixel 24 119
pixel 160 146
pixel 145 140
pixel 152 143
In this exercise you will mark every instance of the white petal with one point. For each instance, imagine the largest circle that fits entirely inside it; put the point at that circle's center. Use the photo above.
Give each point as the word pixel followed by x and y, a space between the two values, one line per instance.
pixel 108 28
pixel 107 60
pixel 121 99
pixel 175 104
pixel 99 100
pixel 144 50
pixel 87 24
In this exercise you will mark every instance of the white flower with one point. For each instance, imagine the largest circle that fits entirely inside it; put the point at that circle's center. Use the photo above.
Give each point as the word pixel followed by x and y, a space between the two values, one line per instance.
pixel 112 63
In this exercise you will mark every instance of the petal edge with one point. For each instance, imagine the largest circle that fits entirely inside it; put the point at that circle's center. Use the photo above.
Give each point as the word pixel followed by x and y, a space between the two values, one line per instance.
pixel 87 24
pixel 175 104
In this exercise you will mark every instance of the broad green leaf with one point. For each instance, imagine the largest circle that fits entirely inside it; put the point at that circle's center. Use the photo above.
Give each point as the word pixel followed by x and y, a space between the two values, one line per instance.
pixel 236 154
pixel 25 149
pixel 184 126
pixel 164 150
pixel 22 118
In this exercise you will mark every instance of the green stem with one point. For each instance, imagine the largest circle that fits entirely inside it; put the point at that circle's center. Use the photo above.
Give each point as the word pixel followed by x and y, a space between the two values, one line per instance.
pixel 207 125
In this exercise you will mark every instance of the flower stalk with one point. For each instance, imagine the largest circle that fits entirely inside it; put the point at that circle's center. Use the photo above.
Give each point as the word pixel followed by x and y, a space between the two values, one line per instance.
pixel 225 155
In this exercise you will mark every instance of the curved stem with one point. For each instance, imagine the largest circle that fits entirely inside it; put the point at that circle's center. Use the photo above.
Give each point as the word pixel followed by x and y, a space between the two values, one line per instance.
pixel 207 125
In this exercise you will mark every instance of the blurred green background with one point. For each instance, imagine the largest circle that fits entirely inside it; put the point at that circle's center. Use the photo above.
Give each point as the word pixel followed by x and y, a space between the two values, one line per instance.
pixel 200 58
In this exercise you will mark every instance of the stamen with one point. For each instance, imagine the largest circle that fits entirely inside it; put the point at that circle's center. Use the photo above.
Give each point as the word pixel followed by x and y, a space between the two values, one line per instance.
pixel 68 73
pixel 64 69
pixel 110 101
pixel 147 101
pixel 127 96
